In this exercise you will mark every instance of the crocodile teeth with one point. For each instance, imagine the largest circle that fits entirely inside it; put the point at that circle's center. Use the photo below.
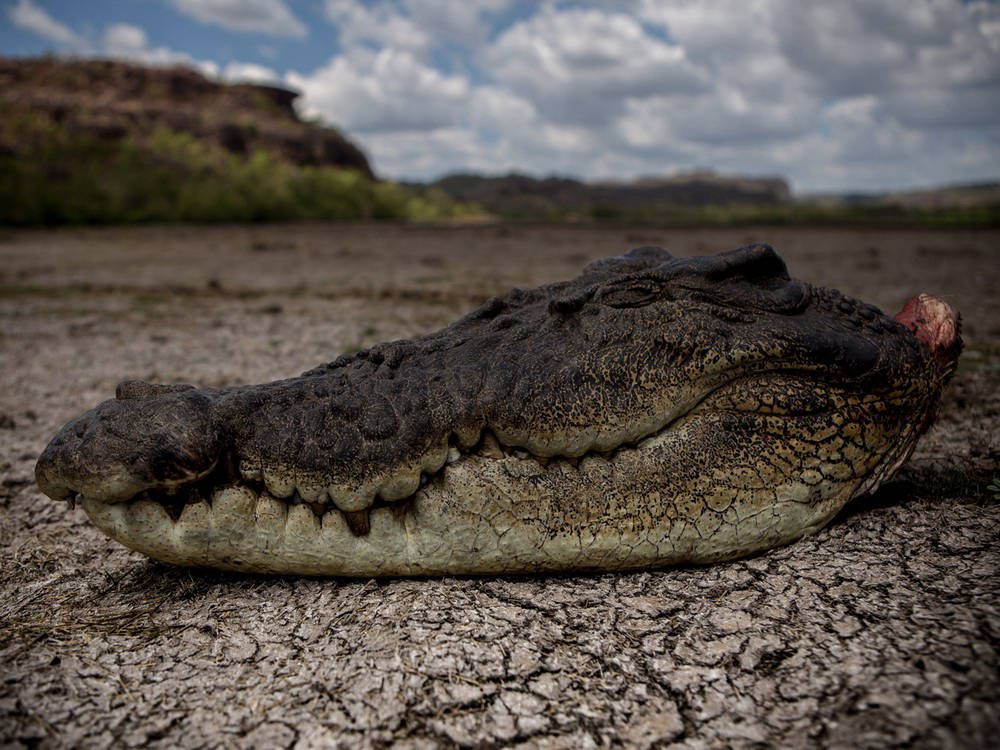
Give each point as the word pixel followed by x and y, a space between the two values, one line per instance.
pixel 358 521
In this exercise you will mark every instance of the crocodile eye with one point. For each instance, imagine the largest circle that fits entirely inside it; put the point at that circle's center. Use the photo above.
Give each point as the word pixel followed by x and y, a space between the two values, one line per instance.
pixel 631 293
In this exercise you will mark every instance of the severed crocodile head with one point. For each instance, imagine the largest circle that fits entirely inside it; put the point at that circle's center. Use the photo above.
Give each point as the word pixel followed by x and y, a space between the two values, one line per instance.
pixel 651 411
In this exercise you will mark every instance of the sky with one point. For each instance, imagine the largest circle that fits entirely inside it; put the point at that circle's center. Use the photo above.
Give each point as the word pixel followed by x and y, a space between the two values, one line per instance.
pixel 852 95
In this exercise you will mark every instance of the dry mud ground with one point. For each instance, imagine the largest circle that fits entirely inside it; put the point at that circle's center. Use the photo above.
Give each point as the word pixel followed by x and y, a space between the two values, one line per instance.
pixel 880 631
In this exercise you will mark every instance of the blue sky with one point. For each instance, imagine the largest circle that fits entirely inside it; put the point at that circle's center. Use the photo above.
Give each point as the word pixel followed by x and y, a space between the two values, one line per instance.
pixel 847 95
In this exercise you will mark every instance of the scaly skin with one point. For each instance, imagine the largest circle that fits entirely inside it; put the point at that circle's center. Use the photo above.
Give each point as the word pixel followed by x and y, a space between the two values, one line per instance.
pixel 651 411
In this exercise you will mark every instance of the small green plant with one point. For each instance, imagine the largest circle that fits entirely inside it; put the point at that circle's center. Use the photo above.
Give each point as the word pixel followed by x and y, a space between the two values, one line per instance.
pixel 994 487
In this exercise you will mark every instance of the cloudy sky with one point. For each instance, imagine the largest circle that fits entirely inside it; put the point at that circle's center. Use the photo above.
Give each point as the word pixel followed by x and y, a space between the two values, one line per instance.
pixel 846 95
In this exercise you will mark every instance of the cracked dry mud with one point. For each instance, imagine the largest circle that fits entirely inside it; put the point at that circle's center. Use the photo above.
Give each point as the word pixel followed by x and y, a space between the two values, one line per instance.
pixel 880 631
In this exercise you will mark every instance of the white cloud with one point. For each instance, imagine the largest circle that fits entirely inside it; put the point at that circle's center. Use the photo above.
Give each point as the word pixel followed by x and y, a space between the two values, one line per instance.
pixel 496 109
pixel 386 91
pixel 425 152
pixel 580 65
pixel 382 25
pixel 129 42
pixel 247 72
pixel 122 38
pixel 460 21
pixel 831 51
pixel 36 19
pixel 819 92
pixel 851 95
pixel 262 16
pixel 414 25
pixel 833 90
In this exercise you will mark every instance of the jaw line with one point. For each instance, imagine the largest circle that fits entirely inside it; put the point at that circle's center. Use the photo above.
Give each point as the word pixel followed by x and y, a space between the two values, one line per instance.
pixel 223 475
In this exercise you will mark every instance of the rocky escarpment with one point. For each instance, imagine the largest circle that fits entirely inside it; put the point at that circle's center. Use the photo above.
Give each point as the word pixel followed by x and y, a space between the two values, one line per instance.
pixel 113 100
pixel 519 196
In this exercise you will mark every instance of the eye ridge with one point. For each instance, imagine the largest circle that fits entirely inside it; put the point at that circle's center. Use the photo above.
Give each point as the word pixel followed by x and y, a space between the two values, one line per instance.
pixel 633 293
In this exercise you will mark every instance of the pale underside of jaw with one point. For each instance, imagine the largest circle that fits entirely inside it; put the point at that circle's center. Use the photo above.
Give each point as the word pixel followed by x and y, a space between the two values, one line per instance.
pixel 497 513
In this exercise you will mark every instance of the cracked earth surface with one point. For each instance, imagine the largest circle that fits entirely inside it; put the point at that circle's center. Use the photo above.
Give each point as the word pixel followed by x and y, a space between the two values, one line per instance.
pixel 883 630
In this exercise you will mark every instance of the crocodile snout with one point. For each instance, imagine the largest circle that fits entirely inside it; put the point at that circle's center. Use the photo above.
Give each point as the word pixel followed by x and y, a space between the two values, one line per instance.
pixel 154 437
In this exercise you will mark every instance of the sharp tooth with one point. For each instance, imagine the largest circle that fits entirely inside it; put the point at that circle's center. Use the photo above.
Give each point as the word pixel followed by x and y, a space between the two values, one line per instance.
pixel 228 464
pixel 358 522
pixel 278 484
pixel 400 486
pixel 453 455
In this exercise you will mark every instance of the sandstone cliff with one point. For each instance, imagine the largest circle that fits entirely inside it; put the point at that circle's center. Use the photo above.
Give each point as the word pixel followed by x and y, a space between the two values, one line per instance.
pixel 113 100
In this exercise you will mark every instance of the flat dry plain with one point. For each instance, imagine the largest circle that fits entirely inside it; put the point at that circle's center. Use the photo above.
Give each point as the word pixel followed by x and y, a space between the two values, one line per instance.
pixel 880 631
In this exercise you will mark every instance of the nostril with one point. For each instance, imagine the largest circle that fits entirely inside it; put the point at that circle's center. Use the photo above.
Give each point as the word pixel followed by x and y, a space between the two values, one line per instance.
pixel 47 479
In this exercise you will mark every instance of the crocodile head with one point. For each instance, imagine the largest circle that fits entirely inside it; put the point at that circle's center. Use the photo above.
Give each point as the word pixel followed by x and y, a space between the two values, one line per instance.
pixel 651 411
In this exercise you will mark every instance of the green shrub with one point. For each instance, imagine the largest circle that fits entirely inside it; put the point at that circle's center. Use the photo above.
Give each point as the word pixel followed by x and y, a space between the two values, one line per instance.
pixel 53 176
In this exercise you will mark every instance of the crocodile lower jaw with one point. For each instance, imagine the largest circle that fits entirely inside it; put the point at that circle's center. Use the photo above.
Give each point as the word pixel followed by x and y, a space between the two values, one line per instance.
pixel 483 515
pixel 240 524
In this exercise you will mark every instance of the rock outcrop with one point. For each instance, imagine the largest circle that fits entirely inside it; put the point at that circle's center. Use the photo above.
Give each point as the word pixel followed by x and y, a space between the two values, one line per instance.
pixel 113 99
